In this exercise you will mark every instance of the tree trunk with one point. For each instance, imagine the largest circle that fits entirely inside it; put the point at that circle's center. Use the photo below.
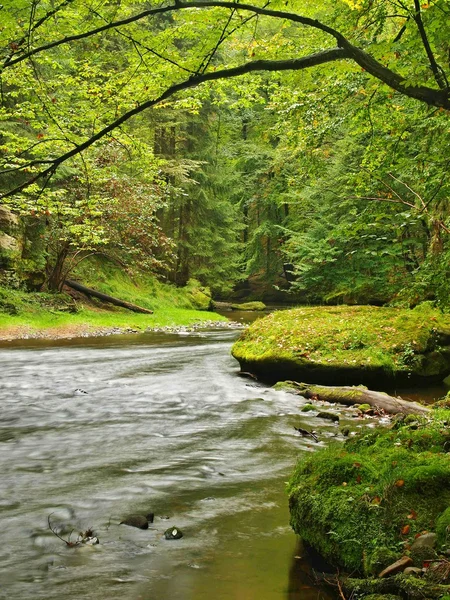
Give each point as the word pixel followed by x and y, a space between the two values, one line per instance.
pixel 105 298
pixel 360 395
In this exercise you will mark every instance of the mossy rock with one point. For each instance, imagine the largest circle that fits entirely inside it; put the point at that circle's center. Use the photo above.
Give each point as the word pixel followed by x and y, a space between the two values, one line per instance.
pixel 286 386
pixel 249 306
pixel 364 407
pixel 347 345
pixel 199 295
pixel 379 559
pixel 378 490
pixel 443 528
pixel 308 408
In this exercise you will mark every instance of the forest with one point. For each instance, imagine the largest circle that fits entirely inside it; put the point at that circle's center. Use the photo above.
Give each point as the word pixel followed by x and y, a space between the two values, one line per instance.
pixel 178 156
pixel 292 150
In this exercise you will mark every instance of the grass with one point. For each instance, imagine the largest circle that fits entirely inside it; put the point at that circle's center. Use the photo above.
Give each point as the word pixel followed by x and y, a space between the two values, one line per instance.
pixel 364 503
pixel 59 314
pixel 395 340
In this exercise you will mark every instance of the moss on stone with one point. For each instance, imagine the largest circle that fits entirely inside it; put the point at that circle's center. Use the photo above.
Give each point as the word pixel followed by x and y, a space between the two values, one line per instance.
pixel 347 345
pixel 380 489
pixel 443 528
pixel 308 408
pixel 249 306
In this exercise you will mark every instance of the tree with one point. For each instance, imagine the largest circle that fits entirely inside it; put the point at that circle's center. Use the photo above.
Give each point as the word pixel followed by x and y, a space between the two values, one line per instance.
pixel 415 73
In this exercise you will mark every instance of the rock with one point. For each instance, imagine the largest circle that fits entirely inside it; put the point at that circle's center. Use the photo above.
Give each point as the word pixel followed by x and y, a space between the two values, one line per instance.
pixel 150 517
pixel 413 571
pixel 138 521
pixel 427 540
pixel 397 567
pixel 173 533
pixel 9 222
pixel 329 416
pixel 308 408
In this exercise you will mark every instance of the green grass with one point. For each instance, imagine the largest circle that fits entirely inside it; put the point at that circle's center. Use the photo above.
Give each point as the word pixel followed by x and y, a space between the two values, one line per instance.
pixel 42 311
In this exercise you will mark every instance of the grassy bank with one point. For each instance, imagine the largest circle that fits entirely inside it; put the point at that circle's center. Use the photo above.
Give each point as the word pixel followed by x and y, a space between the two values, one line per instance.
pixel 57 315
pixel 347 344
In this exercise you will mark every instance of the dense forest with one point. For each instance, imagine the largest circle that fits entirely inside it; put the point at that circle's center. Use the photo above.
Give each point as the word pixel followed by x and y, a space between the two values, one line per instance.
pixel 290 145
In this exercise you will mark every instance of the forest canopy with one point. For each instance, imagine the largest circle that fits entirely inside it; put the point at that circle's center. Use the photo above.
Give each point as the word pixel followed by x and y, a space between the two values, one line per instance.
pixel 223 140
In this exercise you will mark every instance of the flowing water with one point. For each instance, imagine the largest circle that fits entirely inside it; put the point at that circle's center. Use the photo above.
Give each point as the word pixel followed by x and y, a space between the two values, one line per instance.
pixel 166 426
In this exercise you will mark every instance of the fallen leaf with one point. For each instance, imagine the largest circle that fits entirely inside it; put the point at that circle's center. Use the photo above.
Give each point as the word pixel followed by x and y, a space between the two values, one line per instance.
pixel 400 483
pixel 412 515
pixel 405 530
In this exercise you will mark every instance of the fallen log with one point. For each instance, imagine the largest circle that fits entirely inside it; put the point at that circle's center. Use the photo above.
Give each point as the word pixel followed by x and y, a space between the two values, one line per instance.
pixel 350 395
pixel 105 298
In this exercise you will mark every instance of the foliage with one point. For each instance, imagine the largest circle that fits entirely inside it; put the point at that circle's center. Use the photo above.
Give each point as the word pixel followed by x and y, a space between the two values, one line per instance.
pixel 379 490
pixel 124 129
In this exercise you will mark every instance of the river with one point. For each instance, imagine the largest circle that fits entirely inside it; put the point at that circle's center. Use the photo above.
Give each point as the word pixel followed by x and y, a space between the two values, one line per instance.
pixel 166 426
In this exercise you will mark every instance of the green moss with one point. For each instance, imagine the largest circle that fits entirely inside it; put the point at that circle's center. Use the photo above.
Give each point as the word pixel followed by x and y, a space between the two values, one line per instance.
pixel 360 341
pixel 443 528
pixel 249 306
pixel 379 489
pixel 379 559
pixel 286 386
pixel 364 407
pixel 308 408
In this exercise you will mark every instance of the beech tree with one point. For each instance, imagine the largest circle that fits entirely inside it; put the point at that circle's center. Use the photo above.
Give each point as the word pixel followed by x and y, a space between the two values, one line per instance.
pixel 400 43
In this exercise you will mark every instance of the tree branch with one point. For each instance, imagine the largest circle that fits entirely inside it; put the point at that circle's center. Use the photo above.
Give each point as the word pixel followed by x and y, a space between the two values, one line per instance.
pixel 437 70
pixel 430 96
pixel 193 81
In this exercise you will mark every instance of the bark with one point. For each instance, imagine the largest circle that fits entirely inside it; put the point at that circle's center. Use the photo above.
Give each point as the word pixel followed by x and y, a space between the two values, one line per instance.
pixel 360 395
pixel 105 298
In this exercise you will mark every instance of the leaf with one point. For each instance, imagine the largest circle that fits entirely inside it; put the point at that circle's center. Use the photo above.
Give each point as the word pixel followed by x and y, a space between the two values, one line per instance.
pixel 405 529
pixel 412 515
pixel 399 483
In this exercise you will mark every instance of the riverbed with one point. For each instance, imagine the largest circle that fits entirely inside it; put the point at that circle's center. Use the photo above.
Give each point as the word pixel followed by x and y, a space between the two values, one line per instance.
pixel 95 429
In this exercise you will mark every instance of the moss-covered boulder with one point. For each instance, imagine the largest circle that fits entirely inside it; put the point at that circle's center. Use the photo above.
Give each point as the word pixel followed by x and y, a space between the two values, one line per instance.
pixel 362 504
pixel 249 306
pixel 348 345
pixel 199 295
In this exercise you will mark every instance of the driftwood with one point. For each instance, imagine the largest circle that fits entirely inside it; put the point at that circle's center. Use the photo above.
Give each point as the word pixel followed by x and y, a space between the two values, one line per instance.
pixel 105 298
pixel 359 395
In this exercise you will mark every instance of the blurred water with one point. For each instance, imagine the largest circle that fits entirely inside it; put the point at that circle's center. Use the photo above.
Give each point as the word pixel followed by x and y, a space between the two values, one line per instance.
pixel 166 426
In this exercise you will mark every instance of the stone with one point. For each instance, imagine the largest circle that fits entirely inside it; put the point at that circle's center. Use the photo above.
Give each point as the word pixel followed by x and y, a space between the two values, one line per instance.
pixel 329 416
pixel 413 571
pixel 173 533
pixel 398 567
pixel 427 540
pixel 9 222
pixel 138 521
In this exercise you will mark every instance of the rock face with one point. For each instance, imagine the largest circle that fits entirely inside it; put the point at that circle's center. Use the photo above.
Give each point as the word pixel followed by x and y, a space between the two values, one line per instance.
pixel 10 242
